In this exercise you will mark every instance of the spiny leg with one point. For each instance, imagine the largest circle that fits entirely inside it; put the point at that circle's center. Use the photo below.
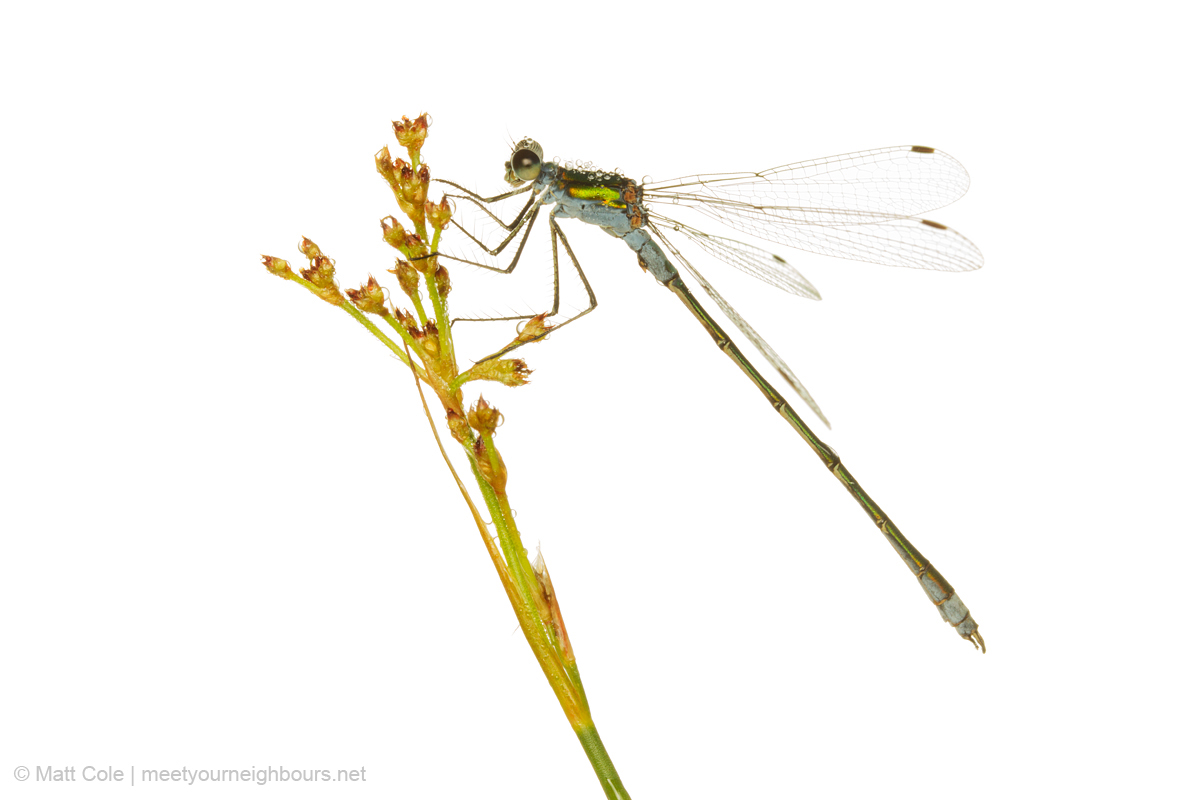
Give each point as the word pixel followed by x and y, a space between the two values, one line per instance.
pixel 525 219
pixel 524 216
pixel 480 199
pixel 528 224
pixel 556 235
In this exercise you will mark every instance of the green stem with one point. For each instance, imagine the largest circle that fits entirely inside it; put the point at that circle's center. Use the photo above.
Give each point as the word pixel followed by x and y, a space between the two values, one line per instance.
pixel 439 305
pixel 422 317
pixel 353 311
pixel 510 540
pixel 572 668
pixel 562 680
pixel 601 763
pixel 350 309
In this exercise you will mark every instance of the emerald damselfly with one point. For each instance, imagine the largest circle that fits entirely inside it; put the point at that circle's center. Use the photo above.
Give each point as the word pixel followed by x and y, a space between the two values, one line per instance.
pixel 862 206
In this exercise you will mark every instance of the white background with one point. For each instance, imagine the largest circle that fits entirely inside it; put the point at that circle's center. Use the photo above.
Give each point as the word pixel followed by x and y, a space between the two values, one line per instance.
pixel 228 538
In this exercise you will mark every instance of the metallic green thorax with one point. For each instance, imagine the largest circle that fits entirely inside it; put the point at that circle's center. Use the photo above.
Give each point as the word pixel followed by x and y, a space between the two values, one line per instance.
pixel 611 189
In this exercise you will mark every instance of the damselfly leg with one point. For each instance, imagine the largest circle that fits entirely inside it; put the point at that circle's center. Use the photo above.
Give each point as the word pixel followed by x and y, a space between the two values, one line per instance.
pixel 525 219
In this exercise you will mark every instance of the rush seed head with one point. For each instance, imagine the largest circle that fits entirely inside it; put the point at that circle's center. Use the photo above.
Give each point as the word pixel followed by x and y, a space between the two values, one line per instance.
pixel 410 244
pixel 408 277
pixel 439 214
pixel 411 133
pixel 441 279
pixel 369 297
pixel 484 418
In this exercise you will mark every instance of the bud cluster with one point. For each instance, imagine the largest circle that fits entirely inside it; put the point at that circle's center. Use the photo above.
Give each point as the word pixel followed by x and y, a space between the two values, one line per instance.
pixel 508 371
pixel 410 244
pixel 484 418
pixel 320 272
pixel 423 342
pixel 411 133
pixel 409 186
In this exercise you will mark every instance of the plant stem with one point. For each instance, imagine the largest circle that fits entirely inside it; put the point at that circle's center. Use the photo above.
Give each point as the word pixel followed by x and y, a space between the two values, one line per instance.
pixel 601 763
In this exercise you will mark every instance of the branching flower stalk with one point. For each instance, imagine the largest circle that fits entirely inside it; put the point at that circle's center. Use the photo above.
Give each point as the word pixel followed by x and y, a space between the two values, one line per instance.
pixel 424 343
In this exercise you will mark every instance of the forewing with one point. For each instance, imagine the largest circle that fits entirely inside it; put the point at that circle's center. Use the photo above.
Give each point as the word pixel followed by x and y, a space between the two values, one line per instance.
pixel 901 181
pixel 859 206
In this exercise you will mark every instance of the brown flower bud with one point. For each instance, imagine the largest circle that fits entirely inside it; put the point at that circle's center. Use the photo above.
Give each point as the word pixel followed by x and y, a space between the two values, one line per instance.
pixel 369 298
pixel 309 248
pixel 536 328
pixel 407 321
pixel 484 418
pixel 277 266
pixel 410 193
pixel 383 165
pixel 439 214
pixel 508 371
pixel 416 246
pixel 441 279
pixel 320 274
pixel 428 339
pixel 408 277
pixel 411 133
pixel 411 245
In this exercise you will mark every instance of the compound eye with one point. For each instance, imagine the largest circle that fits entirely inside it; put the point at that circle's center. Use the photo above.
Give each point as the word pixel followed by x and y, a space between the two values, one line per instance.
pixel 526 164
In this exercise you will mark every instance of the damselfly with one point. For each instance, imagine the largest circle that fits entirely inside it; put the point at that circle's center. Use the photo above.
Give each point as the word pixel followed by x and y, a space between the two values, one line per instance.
pixel 862 206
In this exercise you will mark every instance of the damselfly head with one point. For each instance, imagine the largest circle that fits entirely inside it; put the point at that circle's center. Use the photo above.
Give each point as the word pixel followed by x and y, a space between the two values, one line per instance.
pixel 525 164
